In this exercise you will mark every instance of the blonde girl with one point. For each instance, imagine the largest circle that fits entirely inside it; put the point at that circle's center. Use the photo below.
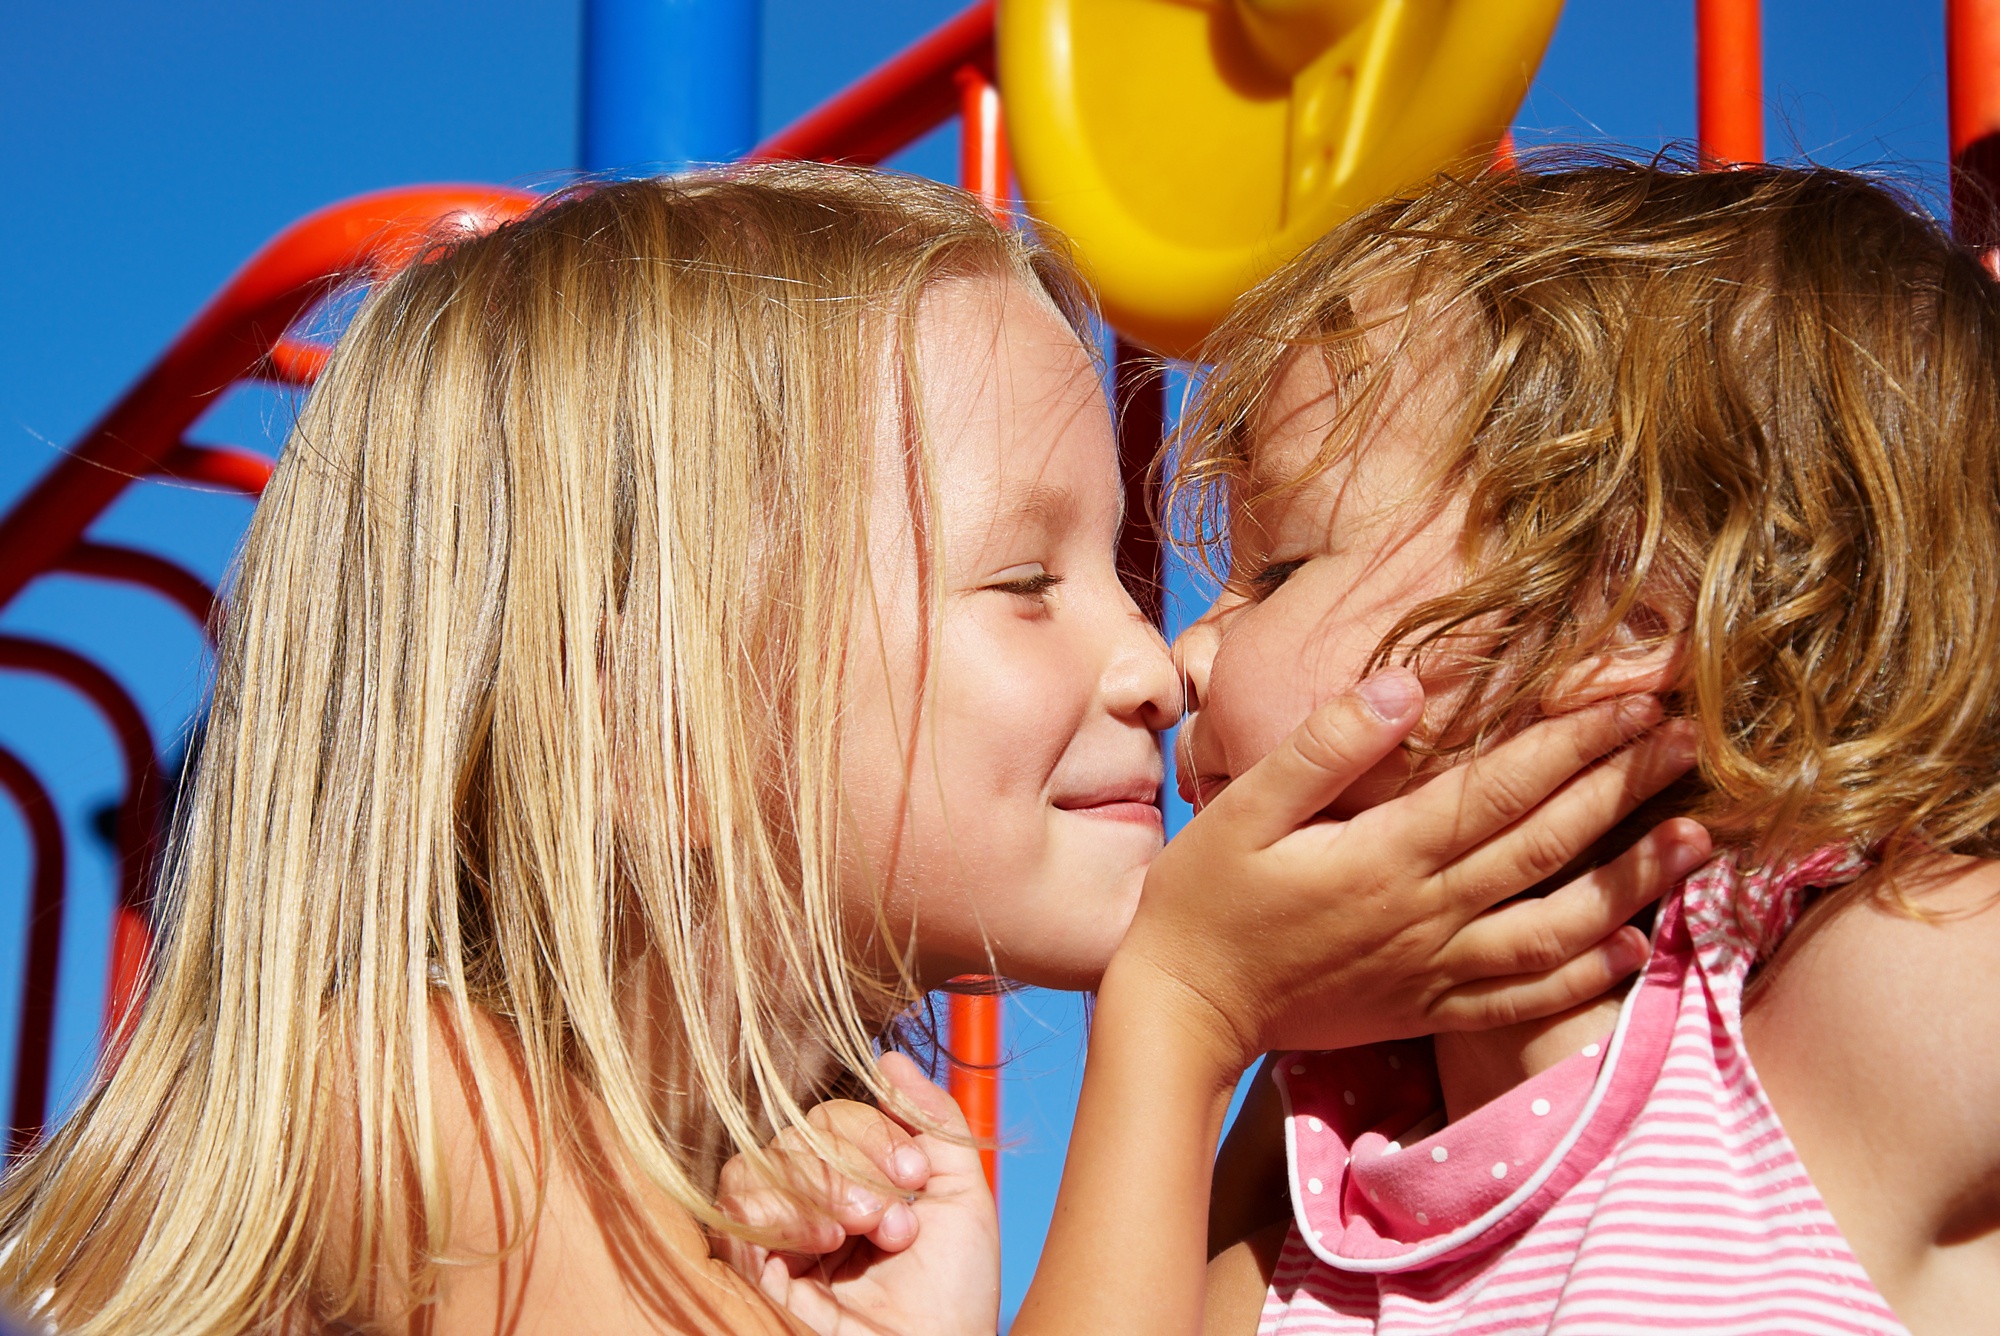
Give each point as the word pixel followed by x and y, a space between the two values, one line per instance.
pixel 509 884
pixel 683 628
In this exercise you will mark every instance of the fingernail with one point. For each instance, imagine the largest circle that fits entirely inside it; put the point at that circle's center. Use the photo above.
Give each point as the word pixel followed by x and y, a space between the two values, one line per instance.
pixel 1629 950
pixel 910 1164
pixel 1390 693
pixel 861 1199
pixel 1682 858
pixel 899 1223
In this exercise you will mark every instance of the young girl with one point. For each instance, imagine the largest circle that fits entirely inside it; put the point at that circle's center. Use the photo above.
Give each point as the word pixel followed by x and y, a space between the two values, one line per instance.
pixel 1543 435
pixel 683 628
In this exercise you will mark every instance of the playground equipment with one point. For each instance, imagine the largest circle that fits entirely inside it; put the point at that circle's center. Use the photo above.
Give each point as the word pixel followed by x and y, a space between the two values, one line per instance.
pixel 244 333
pixel 1280 117
pixel 241 335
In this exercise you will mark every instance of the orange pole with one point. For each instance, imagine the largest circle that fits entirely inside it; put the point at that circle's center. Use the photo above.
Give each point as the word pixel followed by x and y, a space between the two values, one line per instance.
pixel 1729 81
pixel 1972 64
pixel 975 1018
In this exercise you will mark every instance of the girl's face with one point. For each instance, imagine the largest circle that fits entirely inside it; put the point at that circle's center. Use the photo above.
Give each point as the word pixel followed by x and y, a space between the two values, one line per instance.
pixel 1319 574
pixel 1007 807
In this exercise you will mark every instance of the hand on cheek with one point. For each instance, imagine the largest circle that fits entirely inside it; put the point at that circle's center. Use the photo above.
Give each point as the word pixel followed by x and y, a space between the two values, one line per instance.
pixel 1267 925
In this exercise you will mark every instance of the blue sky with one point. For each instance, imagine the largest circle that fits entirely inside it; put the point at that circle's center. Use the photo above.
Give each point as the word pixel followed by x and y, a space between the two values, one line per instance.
pixel 152 148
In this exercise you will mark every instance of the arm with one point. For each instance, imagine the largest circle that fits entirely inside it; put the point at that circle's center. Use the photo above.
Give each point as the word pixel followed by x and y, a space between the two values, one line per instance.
pixel 1877 1037
pixel 1332 934
pixel 1247 1191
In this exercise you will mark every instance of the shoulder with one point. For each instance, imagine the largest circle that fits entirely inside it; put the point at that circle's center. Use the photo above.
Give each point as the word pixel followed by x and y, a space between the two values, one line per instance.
pixel 1877 1036
pixel 1907 996
pixel 540 1237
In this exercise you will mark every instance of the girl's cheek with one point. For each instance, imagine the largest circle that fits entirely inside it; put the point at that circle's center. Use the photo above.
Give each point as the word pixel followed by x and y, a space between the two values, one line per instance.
pixel 1267 676
pixel 1015 691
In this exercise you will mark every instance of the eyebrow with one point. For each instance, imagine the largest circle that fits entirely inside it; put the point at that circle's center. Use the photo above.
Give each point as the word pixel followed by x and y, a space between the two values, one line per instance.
pixel 1044 505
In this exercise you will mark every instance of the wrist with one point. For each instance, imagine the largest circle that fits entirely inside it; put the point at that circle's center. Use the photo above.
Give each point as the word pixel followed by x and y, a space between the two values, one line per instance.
pixel 1143 999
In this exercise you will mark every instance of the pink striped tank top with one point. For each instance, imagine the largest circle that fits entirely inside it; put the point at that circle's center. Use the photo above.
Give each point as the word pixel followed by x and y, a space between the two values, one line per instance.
pixel 1643 1183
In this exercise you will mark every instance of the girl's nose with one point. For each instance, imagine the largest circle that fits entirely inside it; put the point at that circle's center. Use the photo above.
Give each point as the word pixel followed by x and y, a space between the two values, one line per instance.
pixel 1194 654
pixel 1141 681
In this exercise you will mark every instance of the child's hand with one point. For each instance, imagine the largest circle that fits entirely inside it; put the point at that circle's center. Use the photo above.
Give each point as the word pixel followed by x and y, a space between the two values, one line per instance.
pixel 851 1257
pixel 1267 927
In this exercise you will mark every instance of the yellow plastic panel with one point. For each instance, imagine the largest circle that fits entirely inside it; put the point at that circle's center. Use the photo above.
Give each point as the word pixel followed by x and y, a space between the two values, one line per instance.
pixel 1189 147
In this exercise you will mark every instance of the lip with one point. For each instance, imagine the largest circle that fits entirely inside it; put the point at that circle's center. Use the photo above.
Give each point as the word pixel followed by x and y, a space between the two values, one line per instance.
pixel 1198 791
pixel 1136 813
pixel 1136 801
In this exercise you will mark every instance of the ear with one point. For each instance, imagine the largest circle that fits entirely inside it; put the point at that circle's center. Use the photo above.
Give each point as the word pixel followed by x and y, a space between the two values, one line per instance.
pixel 1633 663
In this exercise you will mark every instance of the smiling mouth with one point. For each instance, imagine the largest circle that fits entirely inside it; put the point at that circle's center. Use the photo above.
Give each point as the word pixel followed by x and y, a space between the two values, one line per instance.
pixel 1137 805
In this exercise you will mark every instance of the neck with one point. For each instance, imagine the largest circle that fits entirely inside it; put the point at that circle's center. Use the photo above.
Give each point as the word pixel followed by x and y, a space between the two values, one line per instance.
pixel 1475 1068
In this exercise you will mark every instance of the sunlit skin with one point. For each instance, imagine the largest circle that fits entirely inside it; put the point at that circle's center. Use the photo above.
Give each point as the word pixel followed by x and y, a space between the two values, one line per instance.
pixel 1320 573
pixel 1862 1035
pixel 1008 807
pixel 1315 927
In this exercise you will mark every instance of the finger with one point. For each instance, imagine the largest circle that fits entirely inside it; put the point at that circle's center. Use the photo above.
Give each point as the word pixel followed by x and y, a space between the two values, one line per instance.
pixel 1470 803
pixel 783 1221
pixel 1531 936
pixel 794 1201
pixel 897 1230
pixel 744 1257
pixel 924 1105
pixel 1565 826
pixel 774 1278
pixel 882 1143
pixel 931 1112
pixel 1493 1003
pixel 1336 745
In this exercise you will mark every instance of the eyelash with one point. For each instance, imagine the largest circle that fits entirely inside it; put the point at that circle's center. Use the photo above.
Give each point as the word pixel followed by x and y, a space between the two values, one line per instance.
pixel 1267 581
pixel 1029 586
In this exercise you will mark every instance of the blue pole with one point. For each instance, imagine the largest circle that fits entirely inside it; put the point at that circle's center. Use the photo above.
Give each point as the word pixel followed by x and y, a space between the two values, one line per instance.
pixel 668 84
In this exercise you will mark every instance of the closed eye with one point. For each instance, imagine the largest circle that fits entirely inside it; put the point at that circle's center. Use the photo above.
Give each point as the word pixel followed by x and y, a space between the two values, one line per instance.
pixel 1032 582
pixel 1268 580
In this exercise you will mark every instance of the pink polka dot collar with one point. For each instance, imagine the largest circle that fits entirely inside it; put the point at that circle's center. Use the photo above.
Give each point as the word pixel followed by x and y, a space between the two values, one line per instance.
pixel 1380 1184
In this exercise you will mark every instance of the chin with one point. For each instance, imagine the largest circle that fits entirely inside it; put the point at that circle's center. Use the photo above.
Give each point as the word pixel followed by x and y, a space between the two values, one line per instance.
pixel 1078 975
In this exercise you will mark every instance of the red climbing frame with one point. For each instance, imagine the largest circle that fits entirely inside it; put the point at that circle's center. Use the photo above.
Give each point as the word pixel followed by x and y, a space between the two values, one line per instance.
pixel 239 337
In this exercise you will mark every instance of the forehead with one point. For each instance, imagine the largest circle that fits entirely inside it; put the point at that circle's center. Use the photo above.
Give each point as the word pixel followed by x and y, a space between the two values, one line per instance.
pixel 1367 421
pixel 1013 407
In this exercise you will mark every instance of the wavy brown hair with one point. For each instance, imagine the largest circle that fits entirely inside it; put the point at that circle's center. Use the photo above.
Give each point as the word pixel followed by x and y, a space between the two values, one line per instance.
pixel 1764 399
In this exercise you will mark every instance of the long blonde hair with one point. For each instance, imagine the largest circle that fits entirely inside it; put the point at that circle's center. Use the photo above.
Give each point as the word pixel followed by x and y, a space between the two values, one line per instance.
pixel 528 701
pixel 1767 398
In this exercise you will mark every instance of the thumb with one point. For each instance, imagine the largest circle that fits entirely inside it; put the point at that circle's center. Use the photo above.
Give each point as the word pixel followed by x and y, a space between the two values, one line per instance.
pixel 1336 745
pixel 927 1111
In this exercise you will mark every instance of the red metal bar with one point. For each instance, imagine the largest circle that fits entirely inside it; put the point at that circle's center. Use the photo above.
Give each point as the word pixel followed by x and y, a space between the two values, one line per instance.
pixel 221 466
pixel 138 812
pixel 897 104
pixel 128 565
pixel 1972 64
pixel 975 1017
pixel 294 362
pixel 35 1051
pixel 1729 81
pixel 226 342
